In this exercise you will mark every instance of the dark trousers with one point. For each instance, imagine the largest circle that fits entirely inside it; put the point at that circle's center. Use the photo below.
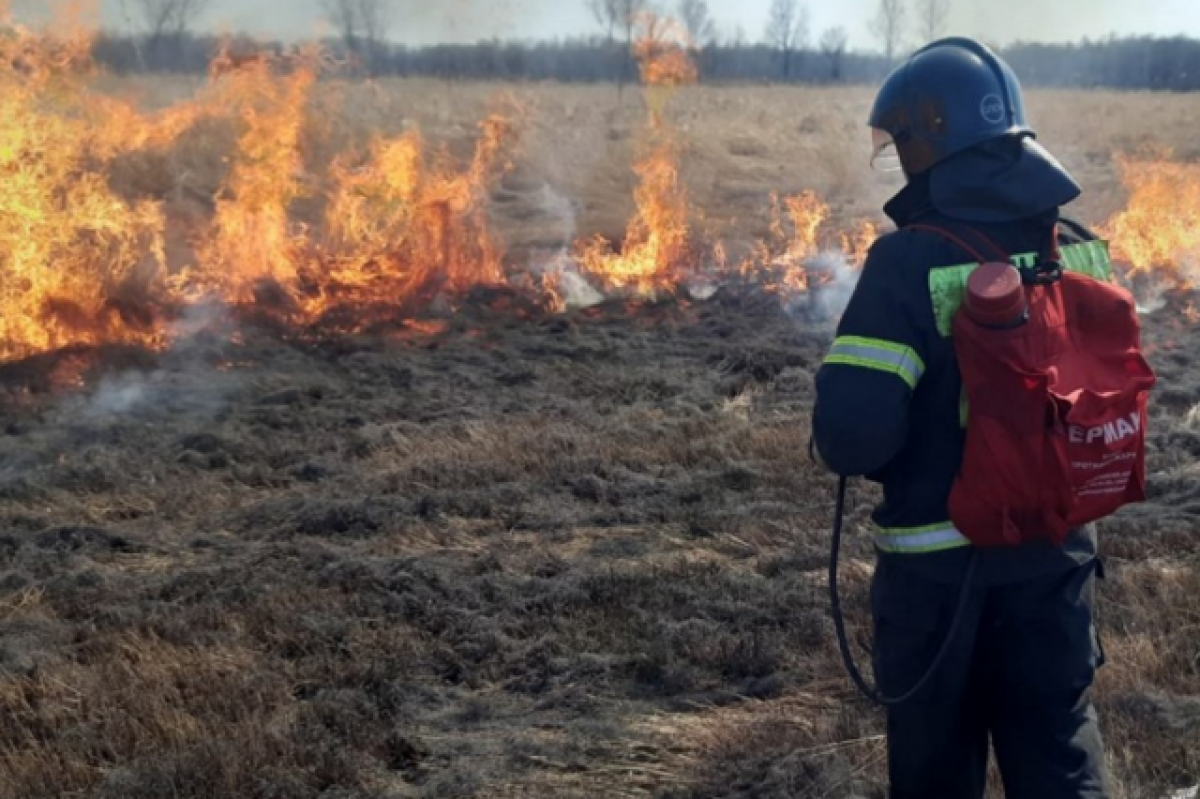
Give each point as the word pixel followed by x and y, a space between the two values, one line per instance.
pixel 1019 674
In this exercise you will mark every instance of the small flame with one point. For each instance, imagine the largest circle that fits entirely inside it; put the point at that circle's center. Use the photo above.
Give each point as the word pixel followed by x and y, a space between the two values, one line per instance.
pixel 658 252
pixel 790 261
pixel 428 327
pixel 1157 235
pixel 857 245
pixel 1191 313
pixel 662 52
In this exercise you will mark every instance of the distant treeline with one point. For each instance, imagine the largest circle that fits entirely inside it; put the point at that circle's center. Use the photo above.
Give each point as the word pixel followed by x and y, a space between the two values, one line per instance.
pixel 1125 63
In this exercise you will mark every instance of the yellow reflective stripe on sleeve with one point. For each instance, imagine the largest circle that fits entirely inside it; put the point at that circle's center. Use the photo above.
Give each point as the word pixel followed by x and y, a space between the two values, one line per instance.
pixel 948 284
pixel 883 356
pixel 920 540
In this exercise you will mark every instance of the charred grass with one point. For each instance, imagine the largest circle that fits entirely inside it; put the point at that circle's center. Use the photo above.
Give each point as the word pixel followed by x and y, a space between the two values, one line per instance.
pixel 474 563
pixel 578 556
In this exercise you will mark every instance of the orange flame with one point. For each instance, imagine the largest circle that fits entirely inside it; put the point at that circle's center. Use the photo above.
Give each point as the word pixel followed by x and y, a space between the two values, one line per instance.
pixel 784 262
pixel 1158 233
pixel 662 52
pixel 857 245
pixel 1191 313
pixel 70 248
pixel 658 252
pixel 253 241
pixel 76 258
pixel 398 226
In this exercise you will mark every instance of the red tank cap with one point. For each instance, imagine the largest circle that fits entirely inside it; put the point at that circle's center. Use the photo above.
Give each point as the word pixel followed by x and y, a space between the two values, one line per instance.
pixel 995 295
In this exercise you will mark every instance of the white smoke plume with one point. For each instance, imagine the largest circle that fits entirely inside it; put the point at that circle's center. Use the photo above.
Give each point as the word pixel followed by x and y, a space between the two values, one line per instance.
pixel 119 395
pixel 832 282
pixel 1192 420
pixel 558 263
pixel 1151 296
pixel 186 379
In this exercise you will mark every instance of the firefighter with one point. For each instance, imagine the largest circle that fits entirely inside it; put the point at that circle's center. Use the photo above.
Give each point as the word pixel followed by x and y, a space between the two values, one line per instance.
pixel 890 407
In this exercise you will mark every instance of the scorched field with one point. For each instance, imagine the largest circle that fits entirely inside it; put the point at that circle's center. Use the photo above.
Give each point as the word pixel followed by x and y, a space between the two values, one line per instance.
pixel 418 439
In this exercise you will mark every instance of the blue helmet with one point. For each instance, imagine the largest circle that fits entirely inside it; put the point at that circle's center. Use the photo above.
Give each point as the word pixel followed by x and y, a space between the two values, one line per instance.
pixel 950 96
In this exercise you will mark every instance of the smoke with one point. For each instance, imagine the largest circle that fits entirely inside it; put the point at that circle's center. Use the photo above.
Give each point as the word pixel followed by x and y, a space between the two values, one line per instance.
pixel 197 318
pixel 1192 420
pixel 561 213
pixel 187 386
pixel 1152 297
pixel 576 292
pixel 832 280
pixel 189 378
pixel 1003 23
pixel 120 395
pixel 557 265
pixel 1152 290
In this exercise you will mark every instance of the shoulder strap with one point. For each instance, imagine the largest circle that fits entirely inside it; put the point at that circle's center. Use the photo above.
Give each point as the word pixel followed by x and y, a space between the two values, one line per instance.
pixel 1046 271
pixel 1076 228
pixel 958 241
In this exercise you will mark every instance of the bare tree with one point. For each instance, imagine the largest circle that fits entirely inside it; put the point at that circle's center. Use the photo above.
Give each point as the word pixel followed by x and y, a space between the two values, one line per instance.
pixel 833 47
pixel 608 14
pixel 931 18
pixel 375 17
pixel 343 16
pixel 363 26
pixel 888 26
pixel 631 11
pixel 787 31
pixel 698 21
pixel 167 20
pixel 617 15
pixel 620 15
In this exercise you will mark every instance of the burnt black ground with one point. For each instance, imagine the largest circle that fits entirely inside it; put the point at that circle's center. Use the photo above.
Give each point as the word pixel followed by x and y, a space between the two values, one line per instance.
pixel 519 555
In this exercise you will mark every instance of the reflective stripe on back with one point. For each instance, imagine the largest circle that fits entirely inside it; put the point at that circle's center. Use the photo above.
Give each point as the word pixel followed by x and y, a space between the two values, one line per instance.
pixel 918 540
pixel 883 356
pixel 948 284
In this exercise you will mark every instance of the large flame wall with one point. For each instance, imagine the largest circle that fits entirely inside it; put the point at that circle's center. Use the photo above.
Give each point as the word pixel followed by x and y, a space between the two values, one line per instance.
pixel 394 223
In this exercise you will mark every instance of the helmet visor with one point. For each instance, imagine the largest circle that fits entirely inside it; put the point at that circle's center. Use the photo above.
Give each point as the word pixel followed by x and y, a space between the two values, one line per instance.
pixel 884 155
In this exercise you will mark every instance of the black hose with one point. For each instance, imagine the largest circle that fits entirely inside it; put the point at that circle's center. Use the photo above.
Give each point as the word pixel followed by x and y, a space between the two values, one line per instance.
pixel 839 621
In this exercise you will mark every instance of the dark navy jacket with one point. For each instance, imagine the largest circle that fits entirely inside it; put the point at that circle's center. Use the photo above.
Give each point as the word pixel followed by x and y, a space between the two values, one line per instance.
pixel 889 395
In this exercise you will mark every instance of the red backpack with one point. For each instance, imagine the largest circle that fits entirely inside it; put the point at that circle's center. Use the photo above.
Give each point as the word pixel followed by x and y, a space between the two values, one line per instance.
pixel 1056 401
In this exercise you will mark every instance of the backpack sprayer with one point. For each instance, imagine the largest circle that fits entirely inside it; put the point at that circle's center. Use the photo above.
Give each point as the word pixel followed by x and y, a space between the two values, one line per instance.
pixel 1093 392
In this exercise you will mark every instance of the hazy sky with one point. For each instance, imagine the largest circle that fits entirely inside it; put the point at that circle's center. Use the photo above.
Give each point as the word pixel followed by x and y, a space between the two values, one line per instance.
pixel 424 21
